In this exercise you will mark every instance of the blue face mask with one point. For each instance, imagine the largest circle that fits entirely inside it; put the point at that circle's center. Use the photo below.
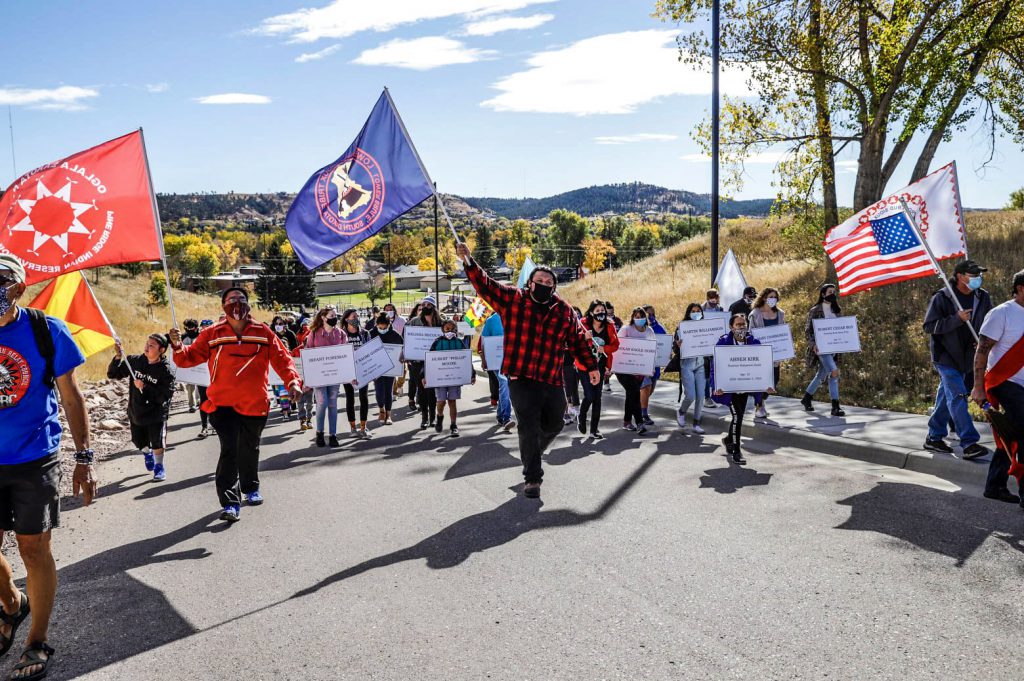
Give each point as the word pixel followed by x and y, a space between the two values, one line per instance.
pixel 974 283
pixel 640 323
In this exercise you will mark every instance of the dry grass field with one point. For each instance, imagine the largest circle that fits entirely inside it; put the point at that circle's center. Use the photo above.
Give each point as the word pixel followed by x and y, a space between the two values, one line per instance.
pixel 893 371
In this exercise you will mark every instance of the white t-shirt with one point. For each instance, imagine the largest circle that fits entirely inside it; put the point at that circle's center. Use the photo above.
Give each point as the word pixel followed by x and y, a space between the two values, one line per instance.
pixel 1004 325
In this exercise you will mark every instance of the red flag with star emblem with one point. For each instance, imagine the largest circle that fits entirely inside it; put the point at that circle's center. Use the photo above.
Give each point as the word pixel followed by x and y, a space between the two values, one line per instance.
pixel 90 209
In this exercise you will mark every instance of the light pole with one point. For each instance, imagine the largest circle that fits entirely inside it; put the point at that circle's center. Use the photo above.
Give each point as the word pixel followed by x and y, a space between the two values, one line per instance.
pixel 715 37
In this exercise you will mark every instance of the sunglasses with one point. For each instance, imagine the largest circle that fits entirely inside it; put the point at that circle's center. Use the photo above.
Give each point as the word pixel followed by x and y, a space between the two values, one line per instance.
pixel 5 280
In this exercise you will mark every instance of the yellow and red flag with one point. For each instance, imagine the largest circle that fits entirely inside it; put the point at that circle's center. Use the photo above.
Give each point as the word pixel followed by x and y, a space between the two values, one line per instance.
pixel 70 298
pixel 477 313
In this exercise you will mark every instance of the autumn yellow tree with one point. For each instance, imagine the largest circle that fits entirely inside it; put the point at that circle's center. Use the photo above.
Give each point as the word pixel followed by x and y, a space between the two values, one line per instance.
pixel 596 252
pixel 426 264
pixel 515 258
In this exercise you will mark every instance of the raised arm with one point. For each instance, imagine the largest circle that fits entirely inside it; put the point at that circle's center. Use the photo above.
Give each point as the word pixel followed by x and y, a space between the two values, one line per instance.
pixel 498 296
pixel 190 355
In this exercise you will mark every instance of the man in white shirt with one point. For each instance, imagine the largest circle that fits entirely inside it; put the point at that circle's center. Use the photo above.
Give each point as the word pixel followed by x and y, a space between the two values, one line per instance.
pixel 999 372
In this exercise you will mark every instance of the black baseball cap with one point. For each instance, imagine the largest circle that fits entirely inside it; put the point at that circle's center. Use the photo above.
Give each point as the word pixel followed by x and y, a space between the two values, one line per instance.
pixel 969 267
pixel 750 291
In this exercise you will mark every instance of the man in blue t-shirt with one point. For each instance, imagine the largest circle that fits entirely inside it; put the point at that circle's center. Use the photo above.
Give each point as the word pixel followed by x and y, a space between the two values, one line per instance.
pixel 30 469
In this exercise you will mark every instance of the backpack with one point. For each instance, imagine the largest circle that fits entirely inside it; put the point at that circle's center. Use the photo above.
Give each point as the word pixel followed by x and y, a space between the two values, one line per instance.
pixel 44 343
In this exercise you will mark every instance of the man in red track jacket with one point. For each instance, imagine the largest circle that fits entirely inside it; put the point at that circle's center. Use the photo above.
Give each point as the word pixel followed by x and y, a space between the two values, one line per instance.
pixel 240 352
pixel 538 326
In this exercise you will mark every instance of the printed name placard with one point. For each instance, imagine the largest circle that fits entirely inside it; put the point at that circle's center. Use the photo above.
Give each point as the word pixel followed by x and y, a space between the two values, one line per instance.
pixel 274 379
pixel 197 375
pixel 635 356
pixel 371 361
pixel 418 340
pixel 395 352
pixel 330 365
pixel 448 368
pixel 835 336
pixel 744 368
pixel 780 338
pixel 698 338
pixel 494 351
pixel 664 353
pixel 717 314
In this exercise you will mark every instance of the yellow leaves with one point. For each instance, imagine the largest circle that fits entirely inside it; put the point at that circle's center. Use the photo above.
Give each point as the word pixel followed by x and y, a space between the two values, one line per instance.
pixel 595 253
pixel 515 257
pixel 426 264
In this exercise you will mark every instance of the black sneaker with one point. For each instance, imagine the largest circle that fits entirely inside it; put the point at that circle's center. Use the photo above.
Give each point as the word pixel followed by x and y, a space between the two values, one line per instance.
pixel 648 421
pixel 423 424
pixel 532 490
pixel 974 451
pixel 727 441
pixel 597 435
pixel 455 430
pixel 937 446
pixel 320 441
pixel 581 426
pixel 1003 495
pixel 333 441
pixel 737 457
pixel 438 424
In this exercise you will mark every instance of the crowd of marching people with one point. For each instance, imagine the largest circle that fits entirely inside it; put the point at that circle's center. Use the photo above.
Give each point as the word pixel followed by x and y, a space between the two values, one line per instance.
pixel 555 370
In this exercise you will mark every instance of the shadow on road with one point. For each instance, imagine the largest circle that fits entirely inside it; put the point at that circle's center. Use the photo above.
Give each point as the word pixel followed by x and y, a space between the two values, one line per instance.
pixel 953 525
pixel 731 479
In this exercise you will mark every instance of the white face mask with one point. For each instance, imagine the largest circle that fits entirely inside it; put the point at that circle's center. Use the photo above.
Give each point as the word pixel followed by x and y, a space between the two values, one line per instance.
pixel 772 302
pixel 696 316
pixel 279 328
pixel 449 335
pixel 391 314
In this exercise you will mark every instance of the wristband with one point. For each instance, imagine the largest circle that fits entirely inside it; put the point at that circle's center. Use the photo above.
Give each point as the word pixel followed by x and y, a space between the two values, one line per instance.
pixel 85 457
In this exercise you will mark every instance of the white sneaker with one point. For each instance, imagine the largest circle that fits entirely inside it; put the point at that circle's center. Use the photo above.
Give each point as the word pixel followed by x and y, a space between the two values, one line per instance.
pixel 761 412
pixel 710 403
pixel 681 419
pixel 697 429
pixel 510 425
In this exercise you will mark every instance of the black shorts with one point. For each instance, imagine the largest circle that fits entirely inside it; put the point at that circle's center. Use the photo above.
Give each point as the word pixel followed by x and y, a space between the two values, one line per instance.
pixel 153 436
pixel 30 495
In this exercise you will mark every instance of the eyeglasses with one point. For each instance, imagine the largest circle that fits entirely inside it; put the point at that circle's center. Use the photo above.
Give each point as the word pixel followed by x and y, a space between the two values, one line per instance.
pixel 6 280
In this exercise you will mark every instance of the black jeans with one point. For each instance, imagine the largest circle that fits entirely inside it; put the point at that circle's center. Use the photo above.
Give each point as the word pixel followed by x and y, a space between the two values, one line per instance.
pixel 383 388
pixel 238 466
pixel 350 402
pixel 204 418
pixel 591 400
pixel 737 408
pixel 539 408
pixel 631 384
pixel 415 376
pixel 1011 399
pixel 428 402
pixel 492 383
pixel 572 393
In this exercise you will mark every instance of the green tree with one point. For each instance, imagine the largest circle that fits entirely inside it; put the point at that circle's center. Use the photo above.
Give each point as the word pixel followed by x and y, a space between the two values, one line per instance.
pixel 1016 200
pixel 157 293
pixel 378 288
pixel 484 253
pixel 567 232
pixel 201 261
pixel 875 75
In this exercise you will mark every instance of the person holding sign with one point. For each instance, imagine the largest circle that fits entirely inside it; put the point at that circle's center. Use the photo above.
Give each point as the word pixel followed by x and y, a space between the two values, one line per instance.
pixel 429 317
pixel 239 352
pixel 149 398
pixel 538 326
pixel 691 377
pixel 737 402
pixel 712 303
pixel 383 386
pixel 324 332
pixel 953 325
pixel 827 365
pixel 604 341
pixel 633 418
pixel 448 340
pixel 650 382
pixel 356 335
pixel 766 313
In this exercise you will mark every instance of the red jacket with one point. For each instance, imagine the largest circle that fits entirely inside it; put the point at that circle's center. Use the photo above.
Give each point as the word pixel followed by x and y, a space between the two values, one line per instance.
pixel 239 365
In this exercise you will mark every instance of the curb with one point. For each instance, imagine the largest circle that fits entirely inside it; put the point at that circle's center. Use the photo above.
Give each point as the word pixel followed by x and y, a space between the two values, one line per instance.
pixel 947 467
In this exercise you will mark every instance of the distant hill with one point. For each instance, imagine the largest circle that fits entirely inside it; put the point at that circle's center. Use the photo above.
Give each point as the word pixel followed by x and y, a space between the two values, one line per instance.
pixel 633 197
pixel 270 209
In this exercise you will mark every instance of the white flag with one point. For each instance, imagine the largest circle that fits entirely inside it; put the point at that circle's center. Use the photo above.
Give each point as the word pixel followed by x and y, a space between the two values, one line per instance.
pixel 730 280
pixel 525 271
pixel 934 201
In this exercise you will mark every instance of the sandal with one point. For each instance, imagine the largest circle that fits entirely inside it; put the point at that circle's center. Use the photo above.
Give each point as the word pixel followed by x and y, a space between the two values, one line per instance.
pixel 32 659
pixel 14 621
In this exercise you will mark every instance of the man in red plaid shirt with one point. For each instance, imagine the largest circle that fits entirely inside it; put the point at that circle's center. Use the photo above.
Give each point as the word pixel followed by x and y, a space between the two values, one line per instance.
pixel 538 327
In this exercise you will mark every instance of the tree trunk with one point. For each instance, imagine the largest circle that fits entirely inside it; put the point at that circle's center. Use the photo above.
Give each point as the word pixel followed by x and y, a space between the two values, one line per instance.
pixel 868 188
pixel 823 122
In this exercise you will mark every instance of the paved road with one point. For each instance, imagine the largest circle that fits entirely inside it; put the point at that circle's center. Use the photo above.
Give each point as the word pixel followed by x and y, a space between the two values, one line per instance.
pixel 409 557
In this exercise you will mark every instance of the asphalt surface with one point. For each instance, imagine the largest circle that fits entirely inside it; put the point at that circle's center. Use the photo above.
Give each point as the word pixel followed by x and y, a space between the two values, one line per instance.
pixel 412 557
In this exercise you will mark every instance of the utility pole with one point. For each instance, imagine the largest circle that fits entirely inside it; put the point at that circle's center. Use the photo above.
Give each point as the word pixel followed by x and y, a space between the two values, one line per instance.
pixel 715 39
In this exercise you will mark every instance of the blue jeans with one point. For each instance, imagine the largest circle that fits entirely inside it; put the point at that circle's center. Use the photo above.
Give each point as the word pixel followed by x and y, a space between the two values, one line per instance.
pixel 692 376
pixel 826 365
pixel 327 404
pixel 951 405
pixel 504 401
pixel 1011 399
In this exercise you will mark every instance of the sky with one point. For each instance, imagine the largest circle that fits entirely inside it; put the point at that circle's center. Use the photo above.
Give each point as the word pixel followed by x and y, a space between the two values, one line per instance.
pixel 504 98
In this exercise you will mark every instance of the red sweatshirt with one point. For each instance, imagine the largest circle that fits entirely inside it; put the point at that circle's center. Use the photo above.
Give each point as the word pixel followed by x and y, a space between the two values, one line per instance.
pixel 239 365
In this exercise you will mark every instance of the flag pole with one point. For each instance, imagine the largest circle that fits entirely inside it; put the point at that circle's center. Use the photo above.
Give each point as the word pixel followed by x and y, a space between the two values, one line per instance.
pixel 419 161
pixel 106 320
pixel 935 263
pixel 159 230
pixel 960 207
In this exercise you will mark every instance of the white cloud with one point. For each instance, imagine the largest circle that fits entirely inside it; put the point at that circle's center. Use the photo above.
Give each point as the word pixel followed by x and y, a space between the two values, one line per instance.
pixel 64 98
pixel 608 74
pixel 848 166
pixel 234 98
pixel 501 24
pixel 422 54
pixel 343 18
pixel 638 137
pixel 157 87
pixel 320 54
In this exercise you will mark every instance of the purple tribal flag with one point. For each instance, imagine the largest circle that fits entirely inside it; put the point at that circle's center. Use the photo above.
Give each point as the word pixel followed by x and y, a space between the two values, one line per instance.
pixel 377 180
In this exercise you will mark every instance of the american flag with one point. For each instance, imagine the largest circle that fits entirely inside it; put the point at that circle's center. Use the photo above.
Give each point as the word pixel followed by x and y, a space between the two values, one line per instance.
pixel 879 252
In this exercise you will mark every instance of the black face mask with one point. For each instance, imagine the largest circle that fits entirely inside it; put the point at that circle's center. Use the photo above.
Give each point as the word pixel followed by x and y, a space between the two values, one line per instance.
pixel 331 321
pixel 542 293
pixel 830 298
pixel 601 316
pixel 427 312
